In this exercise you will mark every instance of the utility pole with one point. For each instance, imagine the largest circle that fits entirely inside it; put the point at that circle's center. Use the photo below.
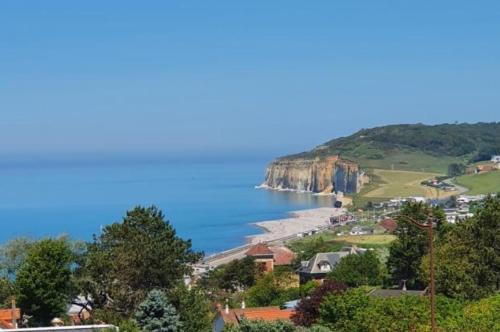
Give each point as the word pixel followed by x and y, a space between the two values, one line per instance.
pixel 13 312
pixel 428 228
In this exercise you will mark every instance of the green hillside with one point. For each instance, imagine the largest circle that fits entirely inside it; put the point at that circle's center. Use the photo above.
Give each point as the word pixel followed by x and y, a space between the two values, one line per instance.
pixel 484 183
pixel 415 147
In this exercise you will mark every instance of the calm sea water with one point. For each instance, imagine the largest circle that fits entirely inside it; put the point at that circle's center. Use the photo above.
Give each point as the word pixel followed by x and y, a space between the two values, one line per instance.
pixel 211 203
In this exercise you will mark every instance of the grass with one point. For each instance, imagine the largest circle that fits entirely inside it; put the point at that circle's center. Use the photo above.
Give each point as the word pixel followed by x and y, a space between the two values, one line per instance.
pixel 334 242
pixel 360 200
pixel 401 184
pixel 405 160
pixel 375 240
pixel 484 183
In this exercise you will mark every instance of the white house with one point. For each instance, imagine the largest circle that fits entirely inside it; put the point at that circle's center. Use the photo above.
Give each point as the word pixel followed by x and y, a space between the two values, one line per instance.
pixel 495 159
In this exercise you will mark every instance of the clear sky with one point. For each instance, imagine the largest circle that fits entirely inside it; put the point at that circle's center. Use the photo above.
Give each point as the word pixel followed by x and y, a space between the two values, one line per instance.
pixel 272 77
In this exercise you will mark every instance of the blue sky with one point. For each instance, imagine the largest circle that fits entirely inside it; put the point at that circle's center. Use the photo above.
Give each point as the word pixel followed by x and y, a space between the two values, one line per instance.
pixel 234 77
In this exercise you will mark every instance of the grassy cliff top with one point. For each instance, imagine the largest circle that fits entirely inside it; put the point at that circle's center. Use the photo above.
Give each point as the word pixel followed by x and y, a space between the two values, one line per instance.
pixel 414 146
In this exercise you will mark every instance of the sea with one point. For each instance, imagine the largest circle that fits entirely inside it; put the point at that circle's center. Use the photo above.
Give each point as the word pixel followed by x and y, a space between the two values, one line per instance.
pixel 213 203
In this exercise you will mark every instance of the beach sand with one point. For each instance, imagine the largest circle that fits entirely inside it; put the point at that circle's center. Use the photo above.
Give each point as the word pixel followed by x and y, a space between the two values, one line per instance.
pixel 299 222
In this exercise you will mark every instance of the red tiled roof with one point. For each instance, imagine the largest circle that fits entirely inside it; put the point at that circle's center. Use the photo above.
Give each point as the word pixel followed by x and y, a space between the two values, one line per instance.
pixel 389 224
pixel 6 317
pixel 261 313
pixel 282 255
pixel 260 249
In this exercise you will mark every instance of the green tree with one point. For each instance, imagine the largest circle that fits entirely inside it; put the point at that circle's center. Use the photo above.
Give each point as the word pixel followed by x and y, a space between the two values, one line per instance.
pixel 12 255
pixel 405 313
pixel 193 308
pixel 238 274
pixel 43 280
pixel 307 311
pixel 133 257
pixel 456 169
pixel 275 288
pixel 265 291
pixel 261 326
pixel 468 257
pixel 357 270
pixel 6 292
pixel 129 325
pixel 156 314
pixel 483 315
pixel 337 310
pixel 411 245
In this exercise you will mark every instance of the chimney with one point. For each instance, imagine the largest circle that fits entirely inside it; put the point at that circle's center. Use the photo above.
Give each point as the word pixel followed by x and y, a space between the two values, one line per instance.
pixel 243 306
pixel 226 309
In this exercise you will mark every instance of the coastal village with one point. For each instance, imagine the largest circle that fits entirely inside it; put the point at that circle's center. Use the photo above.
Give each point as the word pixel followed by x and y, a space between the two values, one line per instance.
pixel 270 251
pixel 282 249
pixel 350 227
pixel 249 166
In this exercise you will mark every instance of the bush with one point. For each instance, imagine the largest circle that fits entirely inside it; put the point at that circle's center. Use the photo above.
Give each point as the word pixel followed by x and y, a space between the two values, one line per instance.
pixel 157 314
pixel 358 270
pixel 307 311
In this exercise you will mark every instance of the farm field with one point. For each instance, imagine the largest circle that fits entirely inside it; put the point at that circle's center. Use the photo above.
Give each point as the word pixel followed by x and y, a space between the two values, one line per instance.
pixel 402 184
pixel 484 183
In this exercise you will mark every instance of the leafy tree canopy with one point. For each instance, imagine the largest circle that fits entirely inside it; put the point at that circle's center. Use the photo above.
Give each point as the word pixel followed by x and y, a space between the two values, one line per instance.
pixel 133 257
pixel 456 169
pixel 12 255
pixel 468 257
pixel 235 275
pixel 6 292
pixel 279 326
pixel 193 308
pixel 307 311
pixel 357 270
pixel 411 245
pixel 43 280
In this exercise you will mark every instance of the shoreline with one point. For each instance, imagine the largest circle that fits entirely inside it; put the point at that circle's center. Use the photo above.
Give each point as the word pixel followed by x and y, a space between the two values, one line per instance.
pixel 301 221
pixel 278 230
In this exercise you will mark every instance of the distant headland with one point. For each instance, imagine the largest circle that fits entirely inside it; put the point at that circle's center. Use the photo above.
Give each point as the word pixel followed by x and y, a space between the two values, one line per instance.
pixel 343 164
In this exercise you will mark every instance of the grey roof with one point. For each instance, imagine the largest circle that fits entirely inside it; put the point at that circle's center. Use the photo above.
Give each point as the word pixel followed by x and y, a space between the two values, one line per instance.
pixel 313 265
pixel 331 258
pixel 396 292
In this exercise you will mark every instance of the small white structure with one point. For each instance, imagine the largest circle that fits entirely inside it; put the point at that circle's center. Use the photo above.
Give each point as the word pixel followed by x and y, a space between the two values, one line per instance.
pixel 451 217
pixel 417 199
pixel 495 159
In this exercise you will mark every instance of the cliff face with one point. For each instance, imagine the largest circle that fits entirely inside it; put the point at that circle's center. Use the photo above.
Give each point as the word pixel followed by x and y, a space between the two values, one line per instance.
pixel 319 175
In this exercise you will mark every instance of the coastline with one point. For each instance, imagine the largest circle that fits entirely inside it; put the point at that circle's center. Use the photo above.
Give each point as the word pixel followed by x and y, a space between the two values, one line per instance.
pixel 301 221
pixel 277 231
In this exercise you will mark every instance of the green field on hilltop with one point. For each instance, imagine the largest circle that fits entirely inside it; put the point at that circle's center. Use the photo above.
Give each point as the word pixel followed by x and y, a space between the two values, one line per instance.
pixel 401 184
pixel 484 183
pixel 408 160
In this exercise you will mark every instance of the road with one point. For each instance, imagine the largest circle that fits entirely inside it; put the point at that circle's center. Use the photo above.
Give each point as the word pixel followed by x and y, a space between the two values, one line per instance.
pixel 239 252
